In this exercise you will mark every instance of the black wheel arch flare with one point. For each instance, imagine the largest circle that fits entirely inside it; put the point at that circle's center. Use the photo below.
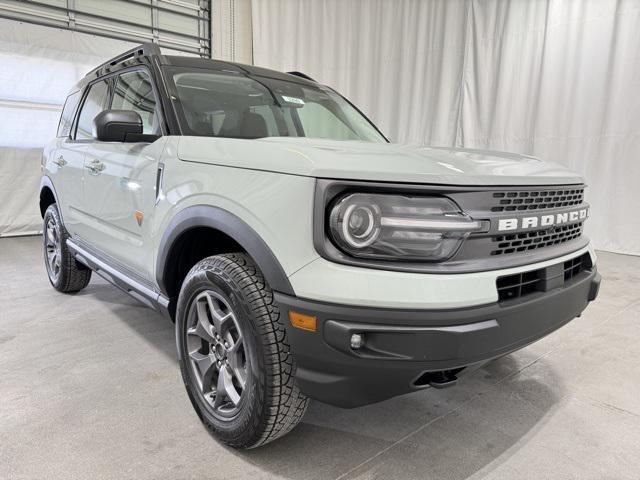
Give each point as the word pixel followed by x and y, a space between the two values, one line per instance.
pixel 46 183
pixel 198 216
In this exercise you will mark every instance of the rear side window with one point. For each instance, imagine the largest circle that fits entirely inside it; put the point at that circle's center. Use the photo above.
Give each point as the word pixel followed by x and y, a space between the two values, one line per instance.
pixel 66 119
pixel 92 106
pixel 134 92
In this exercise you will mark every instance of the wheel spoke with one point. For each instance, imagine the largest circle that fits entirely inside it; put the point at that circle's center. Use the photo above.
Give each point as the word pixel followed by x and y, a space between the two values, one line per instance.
pixel 203 327
pixel 206 366
pixel 233 345
pixel 50 236
pixel 237 368
pixel 219 318
pixel 226 388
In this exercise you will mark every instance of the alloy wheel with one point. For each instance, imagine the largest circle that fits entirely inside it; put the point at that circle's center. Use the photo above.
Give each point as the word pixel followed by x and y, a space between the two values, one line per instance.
pixel 53 249
pixel 216 352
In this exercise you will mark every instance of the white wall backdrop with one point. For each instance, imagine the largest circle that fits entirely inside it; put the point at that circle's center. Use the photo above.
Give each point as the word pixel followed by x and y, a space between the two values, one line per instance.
pixel 559 79
pixel 39 66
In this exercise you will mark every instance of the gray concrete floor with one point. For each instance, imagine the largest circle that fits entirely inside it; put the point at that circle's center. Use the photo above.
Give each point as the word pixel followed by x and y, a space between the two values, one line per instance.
pixel 90 388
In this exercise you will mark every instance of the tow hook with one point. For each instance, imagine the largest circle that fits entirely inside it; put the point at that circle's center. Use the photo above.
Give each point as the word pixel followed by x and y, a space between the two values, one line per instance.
pixel 443 379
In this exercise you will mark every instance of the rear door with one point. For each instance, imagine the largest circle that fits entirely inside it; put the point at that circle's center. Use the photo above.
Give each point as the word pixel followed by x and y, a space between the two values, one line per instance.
pixel 120 180
pixel 69 157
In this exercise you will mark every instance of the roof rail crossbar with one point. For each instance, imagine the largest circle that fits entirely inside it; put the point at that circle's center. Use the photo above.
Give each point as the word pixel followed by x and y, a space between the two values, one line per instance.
pixel 143 49
pixel 301 75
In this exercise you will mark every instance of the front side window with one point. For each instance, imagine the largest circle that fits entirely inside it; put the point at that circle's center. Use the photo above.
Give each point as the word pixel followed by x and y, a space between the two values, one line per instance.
pixel 133 91
pixel 66 119
pixel 220 104
pixel 94 104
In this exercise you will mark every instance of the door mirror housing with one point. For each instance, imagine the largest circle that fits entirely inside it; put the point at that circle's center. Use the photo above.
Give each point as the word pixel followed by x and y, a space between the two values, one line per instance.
pixel 119 126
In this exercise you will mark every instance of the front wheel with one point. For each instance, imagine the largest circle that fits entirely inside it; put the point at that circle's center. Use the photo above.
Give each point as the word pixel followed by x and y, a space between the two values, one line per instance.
pixel 233 351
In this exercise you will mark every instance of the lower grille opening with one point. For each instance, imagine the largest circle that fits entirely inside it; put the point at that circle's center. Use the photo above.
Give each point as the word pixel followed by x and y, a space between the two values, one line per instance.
pixel 526 283
pixel 520 284
pixel 576 265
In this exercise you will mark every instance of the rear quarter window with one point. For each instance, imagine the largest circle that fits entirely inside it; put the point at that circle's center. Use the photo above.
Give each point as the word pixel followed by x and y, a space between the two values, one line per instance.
pixel 66 119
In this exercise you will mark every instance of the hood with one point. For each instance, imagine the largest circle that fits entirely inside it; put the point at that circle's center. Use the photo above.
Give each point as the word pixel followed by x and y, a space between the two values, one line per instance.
pixel 385 162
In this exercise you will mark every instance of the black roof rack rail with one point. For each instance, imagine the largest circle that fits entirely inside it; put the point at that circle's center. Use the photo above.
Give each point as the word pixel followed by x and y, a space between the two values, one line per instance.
pixel 143 49
pixel 301 75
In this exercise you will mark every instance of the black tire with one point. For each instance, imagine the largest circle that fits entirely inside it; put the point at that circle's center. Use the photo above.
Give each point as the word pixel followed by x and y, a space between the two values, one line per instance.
pixel 270 403
pixel 65 274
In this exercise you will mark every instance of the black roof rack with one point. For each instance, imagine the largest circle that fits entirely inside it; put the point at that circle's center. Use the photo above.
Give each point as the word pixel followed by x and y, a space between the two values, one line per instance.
pixel 147 49
pixel 301 75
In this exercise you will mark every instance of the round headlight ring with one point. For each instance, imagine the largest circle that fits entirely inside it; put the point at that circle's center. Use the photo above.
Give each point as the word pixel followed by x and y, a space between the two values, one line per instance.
pixel 369 214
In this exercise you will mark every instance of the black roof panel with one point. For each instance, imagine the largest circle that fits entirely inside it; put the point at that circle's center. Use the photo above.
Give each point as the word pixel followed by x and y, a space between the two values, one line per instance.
pixel 196 62
pixel 142 54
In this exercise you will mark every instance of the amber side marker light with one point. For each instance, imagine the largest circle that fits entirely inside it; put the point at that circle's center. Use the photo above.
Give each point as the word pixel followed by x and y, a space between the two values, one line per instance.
pixel 302 321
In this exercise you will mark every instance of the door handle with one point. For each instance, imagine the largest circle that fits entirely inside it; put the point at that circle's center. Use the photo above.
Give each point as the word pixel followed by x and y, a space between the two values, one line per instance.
pixel 60 162
pixel 95 167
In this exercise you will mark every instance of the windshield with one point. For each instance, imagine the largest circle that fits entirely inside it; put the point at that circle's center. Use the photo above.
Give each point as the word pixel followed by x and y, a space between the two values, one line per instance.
pixel 220 104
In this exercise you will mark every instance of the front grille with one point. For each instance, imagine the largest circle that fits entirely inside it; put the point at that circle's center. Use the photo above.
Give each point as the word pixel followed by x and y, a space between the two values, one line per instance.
pixel 537 199
pixel 521 242
pixel 541 280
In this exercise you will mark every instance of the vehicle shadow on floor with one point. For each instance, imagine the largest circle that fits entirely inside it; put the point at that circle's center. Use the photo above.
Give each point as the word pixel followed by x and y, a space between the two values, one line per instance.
pixel 147 324
pixel 429 434
pixel 451 433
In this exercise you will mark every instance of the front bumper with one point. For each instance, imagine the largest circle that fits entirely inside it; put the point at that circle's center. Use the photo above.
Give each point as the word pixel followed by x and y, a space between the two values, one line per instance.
pixel 401 344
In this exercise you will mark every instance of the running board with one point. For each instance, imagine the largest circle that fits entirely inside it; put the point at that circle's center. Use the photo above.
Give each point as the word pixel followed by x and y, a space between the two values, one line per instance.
pixel 137 290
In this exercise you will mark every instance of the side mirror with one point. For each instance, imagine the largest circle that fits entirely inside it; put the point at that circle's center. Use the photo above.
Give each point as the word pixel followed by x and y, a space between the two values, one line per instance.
pixel 117 126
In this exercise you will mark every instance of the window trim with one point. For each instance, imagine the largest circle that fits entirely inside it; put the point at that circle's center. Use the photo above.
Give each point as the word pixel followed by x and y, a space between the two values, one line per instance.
pixel 85 94
pixel 115 80
pixel 73 112
pixel 110 79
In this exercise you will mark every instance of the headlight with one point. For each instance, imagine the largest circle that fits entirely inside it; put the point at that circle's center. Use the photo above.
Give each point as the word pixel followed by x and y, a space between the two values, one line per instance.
pixel 397 227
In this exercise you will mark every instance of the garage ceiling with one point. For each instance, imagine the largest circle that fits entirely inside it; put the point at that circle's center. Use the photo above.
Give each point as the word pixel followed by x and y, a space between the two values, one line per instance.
pixel 182 25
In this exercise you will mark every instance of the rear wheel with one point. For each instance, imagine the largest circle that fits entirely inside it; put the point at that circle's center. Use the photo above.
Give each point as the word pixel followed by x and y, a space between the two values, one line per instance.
pixel 234 356
pixel 65 274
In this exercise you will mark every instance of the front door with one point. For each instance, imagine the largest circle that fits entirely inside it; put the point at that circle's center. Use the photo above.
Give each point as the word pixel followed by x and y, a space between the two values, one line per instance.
pixel 120 181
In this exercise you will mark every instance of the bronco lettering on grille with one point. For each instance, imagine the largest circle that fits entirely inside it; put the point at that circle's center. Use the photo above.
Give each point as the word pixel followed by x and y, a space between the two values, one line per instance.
pixel 505 224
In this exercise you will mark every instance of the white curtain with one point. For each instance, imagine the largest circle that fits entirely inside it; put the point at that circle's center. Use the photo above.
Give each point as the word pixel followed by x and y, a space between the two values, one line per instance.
pixel 559 79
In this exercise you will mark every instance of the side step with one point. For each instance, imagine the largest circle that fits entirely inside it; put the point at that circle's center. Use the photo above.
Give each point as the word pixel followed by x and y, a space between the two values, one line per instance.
pixel 137 290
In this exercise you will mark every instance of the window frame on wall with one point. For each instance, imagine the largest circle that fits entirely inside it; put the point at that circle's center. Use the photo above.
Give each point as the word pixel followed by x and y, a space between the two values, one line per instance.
pixel 158 21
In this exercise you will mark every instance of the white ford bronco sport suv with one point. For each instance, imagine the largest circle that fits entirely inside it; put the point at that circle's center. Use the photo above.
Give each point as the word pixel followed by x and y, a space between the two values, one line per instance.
pixel 299 253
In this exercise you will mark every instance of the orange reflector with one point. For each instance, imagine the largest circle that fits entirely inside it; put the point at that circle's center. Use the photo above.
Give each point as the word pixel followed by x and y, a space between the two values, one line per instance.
pixel 304 322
